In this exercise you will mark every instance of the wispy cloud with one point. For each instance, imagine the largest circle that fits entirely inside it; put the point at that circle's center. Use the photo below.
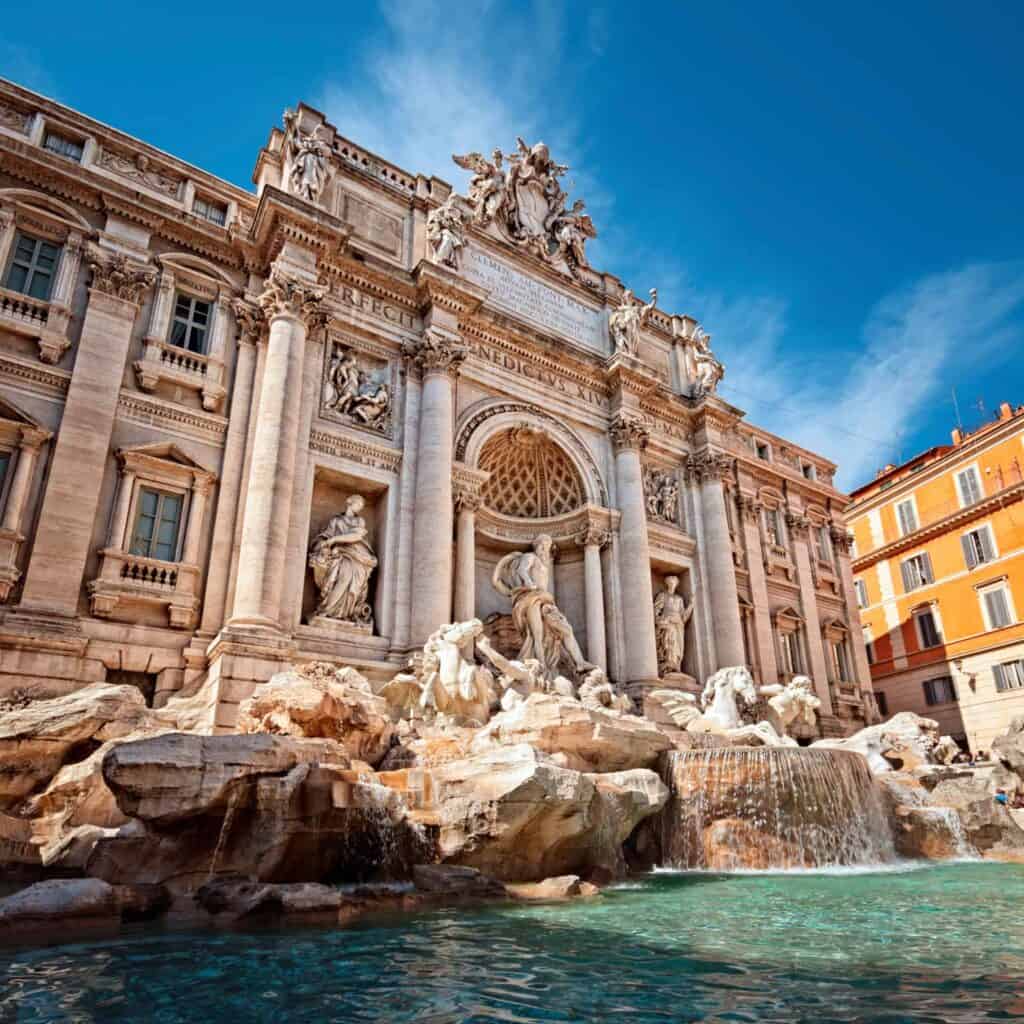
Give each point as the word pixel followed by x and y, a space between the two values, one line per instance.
pixel 859 405
pixel 449 79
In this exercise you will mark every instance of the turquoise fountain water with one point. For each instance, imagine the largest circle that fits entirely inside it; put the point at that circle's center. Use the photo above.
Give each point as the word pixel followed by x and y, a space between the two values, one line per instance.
pixel 938 944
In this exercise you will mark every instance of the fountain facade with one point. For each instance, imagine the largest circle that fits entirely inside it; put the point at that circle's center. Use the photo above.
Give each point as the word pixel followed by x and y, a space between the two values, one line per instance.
pixel 771 808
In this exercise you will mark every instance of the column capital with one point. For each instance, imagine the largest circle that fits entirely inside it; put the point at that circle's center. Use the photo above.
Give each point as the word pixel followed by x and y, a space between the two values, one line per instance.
pixel 202 483
pixel 7 215
pixel 628 433
pixel 32 438
pixel 287 296
pixel 594 535
pixel 467 499
pixel 115 275
pixel 248 318
pixel 709 465
pixel 841 537
pixel 437 352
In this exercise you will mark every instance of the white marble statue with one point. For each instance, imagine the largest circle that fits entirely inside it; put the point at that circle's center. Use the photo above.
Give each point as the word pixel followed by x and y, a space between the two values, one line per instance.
pixel 534 186
pixel 310 153
pixel 626 321
pixel 661 493
pixel 790 703
pixel 671 614
pixel 444 232
pixel 487 190
pixel 597 692
pixel 447 681
pixel 571 230
pixel 906 739
pixel 721 692
pixel 342 561
pixel 703 370
pixel 523 676
pixel 523 576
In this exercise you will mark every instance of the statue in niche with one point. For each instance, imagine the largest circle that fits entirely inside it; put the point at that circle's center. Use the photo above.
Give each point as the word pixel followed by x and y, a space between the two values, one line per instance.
pixel 523 576
pixel 342 561
pixel 626 321
pixel 671 614
pixel 354 392
pixel 444 232
pixel 310 153
pixel 661 489
pixel 487 189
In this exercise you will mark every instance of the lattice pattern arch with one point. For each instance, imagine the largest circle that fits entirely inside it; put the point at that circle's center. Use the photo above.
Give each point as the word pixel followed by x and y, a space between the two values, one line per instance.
pixel 531 477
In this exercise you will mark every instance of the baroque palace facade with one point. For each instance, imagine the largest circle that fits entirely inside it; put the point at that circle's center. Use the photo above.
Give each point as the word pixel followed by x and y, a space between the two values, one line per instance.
pixel 939 574
pixel 239 430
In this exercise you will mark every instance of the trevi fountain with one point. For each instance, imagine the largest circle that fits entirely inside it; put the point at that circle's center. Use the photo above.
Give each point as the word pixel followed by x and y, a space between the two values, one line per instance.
pixel 518 685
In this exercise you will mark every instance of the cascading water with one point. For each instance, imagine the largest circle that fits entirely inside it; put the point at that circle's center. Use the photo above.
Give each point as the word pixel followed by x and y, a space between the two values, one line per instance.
pixel 772 808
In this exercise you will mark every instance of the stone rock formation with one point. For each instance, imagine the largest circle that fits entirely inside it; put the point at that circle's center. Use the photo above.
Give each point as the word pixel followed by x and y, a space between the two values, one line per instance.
pixel 58 899
pixel 1008 749
pixel 585 738
pixel 319 701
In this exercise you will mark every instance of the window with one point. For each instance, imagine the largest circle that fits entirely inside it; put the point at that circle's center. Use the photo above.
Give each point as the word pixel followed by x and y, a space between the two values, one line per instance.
pixel 883 703
pixel 773 526
pixel 1009 675
pixel 861 590
pixel 840 663
pixel 33 267
pixel 823 543
pixel 763 451
pixel 995 606
pixel 853 547
pixel 156 525
pixel 917 571
pixel 208 209
pixel 969 486
pixel 190 323
pixel 978 546
pixel 869 649
pixel 939 691
pixel 906 515
pixel 928 633
pixel 792 662
pixel 809 471
pixel 63 146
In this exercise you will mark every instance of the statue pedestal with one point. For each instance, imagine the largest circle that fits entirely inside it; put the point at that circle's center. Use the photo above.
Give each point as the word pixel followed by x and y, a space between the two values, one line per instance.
pixel 680 681
pixel 342 630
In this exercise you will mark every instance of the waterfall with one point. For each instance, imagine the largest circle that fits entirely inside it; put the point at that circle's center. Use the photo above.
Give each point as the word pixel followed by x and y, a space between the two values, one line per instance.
pixel 772 808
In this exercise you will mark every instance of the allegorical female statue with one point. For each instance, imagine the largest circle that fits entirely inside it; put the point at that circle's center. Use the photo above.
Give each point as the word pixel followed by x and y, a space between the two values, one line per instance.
pixel 523 576
pixel 671 614
pixel 342 561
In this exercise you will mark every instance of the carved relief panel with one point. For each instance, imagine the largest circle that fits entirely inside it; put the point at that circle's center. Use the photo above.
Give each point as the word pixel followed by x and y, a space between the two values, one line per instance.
pixel 661 495
pixel 357 389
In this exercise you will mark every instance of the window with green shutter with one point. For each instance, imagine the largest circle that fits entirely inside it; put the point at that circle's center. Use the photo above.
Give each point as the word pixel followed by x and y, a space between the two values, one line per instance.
pixel 157 524
pixel 33 267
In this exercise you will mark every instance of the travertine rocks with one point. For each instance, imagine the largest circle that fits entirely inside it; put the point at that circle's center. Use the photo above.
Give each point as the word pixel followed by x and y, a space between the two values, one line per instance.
pixel 58 899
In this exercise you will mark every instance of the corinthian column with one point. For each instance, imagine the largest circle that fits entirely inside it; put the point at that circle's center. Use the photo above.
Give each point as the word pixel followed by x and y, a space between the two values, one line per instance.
pixel 436 358
pixel 291 308
pixel 593 539
pixel 466 504
pixel 707 471
pixel 629 437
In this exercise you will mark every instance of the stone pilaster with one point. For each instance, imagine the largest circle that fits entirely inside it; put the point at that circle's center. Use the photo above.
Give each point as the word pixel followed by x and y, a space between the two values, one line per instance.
pixel 249 319
pixel 436 360
pixel 467 503
pixel 63 538
pixel 592 540
pixel 706 471
pixel 629 437
pixel 841 541
pixel 750 514
pixel 798 528
pixel 292 307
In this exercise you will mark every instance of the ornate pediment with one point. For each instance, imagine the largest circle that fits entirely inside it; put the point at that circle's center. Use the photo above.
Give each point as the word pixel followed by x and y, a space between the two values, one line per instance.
pixel 526 204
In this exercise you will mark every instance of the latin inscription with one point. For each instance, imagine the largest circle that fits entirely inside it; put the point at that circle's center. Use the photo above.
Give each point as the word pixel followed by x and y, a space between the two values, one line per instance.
pixel 535 301
pixel 531 371
pixel 376 307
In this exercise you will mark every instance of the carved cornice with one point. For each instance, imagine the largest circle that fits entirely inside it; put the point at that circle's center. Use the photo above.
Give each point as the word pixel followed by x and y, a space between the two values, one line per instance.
pixel 842 539
pixel 798 524
pixel 344 447
pixel 115 275
pixel 628 433
pixel 440 288
pixel 750 507
pixel 249 319
pixel 436 352
pixel 178 419
pixel 709 465
pixel 41 379
pixel 287 296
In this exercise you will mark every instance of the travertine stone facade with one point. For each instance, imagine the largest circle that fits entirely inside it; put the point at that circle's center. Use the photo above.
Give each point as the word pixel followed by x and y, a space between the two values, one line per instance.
pixel 195 381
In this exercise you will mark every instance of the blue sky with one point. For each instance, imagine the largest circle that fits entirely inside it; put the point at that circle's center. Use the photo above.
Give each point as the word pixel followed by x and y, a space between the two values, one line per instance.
pixel 833 190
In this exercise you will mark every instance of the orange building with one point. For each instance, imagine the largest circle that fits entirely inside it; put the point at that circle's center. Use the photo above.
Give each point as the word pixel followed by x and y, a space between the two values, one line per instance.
pixel 939 574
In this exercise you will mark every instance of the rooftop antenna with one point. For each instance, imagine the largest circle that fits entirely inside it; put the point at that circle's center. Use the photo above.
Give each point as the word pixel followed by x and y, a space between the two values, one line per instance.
pixel 956 408
pixel 981 408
